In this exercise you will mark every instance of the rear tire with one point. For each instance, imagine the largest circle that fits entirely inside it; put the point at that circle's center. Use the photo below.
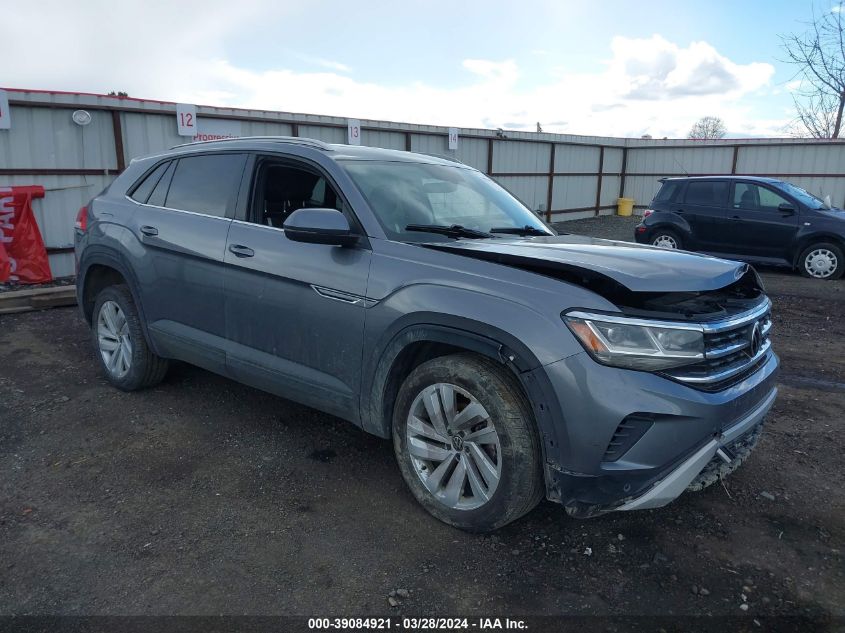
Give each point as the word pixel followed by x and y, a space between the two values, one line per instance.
pixel 666 238
pixel 823 260
pixel 119 342
pixel 474 462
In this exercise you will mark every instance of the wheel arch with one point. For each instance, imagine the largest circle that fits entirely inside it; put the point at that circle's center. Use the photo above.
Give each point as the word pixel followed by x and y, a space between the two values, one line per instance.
pixel 415 343
pixel 662 220
pixel 100 268
pixel 808 240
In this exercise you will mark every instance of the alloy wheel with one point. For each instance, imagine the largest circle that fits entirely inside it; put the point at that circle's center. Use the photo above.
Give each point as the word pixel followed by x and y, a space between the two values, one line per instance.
pixel 113 339
pixel 454 446
pixel 665 241
pixel 820 263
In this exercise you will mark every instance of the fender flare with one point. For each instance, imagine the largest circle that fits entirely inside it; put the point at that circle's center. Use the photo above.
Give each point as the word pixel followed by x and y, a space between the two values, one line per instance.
pixel 675 223
pixel 104 256
pixel 805 241
pixel 475 337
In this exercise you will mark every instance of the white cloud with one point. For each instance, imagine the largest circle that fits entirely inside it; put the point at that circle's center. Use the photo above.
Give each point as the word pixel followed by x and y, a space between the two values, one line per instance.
pixel 837 9
pixel 505 71
pixel 324 63
pixel 648 85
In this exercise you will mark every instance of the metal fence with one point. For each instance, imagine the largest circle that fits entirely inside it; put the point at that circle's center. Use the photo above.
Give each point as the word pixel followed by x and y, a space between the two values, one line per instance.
pixel 559 175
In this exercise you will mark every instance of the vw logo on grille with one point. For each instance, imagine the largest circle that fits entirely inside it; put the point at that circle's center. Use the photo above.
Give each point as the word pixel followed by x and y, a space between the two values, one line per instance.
pixel 755 341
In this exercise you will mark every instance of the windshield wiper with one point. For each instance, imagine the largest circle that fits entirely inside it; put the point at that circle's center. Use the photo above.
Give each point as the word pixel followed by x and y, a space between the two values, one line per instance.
pixel 520 230
pixel 455 230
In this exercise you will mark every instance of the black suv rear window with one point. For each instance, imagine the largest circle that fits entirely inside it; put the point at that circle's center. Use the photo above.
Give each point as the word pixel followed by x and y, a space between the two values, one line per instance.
pixel 206 184
pixel 708 192
pixel 668 191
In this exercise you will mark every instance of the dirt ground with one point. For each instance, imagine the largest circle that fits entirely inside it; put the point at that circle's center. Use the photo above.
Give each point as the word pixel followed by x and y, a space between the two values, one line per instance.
pixel 202 496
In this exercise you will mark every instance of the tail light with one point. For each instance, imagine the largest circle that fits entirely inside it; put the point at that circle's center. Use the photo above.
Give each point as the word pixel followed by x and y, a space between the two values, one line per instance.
pixel 82 219
pixel 647 213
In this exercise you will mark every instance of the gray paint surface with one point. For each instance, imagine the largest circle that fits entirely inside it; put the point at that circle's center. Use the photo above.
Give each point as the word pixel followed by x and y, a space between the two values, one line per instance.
pixel 322 325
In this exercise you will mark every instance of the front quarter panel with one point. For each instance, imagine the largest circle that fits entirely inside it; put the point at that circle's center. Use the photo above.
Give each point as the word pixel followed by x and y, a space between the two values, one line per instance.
pixel 516 312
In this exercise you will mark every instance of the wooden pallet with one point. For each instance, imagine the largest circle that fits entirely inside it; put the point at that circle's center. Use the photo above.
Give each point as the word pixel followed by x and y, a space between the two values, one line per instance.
pixel 37 299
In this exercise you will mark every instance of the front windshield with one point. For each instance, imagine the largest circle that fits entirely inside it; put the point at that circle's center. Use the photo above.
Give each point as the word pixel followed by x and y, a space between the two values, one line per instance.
pixel 402 194
pixel 803 196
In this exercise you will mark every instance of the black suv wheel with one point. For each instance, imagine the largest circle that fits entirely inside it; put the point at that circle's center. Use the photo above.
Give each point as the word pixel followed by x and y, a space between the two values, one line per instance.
pixel 823 260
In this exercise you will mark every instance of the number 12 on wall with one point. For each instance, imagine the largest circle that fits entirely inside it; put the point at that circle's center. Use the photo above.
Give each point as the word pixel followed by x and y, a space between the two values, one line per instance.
pixel 186 119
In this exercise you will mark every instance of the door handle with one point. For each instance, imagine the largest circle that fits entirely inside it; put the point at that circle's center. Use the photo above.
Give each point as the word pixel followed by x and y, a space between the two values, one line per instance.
pixel 679 211
pixel 736 217
pixel 241 251
pixel 150 231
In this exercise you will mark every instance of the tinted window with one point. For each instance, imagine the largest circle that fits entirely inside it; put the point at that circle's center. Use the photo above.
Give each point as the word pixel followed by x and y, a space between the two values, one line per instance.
pixel 668 191
pixel 206 184
pixel 711 193
pixel 160 192
pixel 142 192
pixel 748 196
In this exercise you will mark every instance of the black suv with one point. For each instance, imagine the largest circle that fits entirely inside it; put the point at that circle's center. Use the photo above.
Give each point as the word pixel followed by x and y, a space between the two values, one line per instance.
pixel 762 220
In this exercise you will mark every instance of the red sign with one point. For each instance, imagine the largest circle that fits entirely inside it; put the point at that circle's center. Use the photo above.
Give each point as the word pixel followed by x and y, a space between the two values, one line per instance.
pixel 23 257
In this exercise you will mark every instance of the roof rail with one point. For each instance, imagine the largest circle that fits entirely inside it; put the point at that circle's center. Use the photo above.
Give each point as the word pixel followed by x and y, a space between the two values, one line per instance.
pixel 294 140
pixel 451 159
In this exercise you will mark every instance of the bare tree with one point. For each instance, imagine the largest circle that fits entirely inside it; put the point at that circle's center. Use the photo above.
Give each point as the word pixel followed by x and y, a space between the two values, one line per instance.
pixel 708 127
pixel 819 56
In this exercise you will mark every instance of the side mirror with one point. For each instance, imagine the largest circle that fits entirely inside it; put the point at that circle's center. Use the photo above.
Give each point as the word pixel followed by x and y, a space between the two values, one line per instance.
pixel 786 208
pixel 319 226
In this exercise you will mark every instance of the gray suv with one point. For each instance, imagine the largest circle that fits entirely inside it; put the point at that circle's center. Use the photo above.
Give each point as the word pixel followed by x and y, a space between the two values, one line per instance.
pixel 414 297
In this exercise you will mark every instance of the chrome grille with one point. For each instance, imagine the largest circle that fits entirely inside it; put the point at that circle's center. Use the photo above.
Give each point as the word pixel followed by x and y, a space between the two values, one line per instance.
pixel 732 349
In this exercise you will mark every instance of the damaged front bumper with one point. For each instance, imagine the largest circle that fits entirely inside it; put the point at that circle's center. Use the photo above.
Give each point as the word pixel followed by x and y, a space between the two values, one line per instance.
pixel 719 448
pixel 694 436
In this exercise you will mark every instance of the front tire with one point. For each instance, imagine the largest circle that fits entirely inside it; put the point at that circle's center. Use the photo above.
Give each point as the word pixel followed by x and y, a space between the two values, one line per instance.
pixel 822 261
pixel 466 442
pixel 119 342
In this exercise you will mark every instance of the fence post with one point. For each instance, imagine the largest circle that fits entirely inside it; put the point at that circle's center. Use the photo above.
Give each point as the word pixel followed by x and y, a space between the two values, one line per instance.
pixel 736 156
pixel 489 156
pixel 117 130
pixel 550 192
pixel 622 175
pixel 600 174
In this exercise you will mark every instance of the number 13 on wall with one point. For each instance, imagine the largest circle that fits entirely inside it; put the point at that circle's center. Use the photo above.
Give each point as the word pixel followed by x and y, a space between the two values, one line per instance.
pixel 353 131
pixel 186 119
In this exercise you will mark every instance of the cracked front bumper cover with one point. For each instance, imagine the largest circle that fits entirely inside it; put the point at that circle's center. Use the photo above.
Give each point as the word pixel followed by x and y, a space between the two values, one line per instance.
pixel 679 479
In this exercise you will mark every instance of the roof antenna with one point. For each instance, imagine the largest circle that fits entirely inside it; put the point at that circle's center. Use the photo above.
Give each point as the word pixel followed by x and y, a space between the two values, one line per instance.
pixel 686 173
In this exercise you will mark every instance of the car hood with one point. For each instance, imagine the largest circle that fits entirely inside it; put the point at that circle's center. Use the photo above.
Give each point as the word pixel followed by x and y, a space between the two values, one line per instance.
pixel 637 267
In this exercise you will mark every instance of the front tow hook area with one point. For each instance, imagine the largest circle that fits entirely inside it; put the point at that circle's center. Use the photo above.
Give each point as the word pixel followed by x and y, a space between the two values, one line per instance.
pixel 672 485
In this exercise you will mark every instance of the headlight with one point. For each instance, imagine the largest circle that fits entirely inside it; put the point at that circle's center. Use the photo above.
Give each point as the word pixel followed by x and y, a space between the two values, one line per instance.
pixel 637 343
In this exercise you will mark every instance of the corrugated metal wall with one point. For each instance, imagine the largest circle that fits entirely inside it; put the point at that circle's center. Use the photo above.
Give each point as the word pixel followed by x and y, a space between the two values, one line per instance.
pixel 587 173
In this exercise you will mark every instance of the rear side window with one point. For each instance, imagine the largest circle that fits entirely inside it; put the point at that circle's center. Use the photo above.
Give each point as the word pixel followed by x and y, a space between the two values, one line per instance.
pixel 668 191
pixel 713 193
pixel 206 184
pixel 142 192
pixel 160 192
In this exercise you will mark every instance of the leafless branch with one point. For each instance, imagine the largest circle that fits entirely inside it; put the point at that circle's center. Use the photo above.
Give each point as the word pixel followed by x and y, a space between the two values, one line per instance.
pixel 819 57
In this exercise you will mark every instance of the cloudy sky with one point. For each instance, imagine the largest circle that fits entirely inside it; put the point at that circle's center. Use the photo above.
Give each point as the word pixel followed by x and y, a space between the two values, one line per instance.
pixel 602 67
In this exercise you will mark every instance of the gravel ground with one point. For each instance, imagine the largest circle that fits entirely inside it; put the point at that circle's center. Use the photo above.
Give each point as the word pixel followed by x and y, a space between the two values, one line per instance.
pixel 202 496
